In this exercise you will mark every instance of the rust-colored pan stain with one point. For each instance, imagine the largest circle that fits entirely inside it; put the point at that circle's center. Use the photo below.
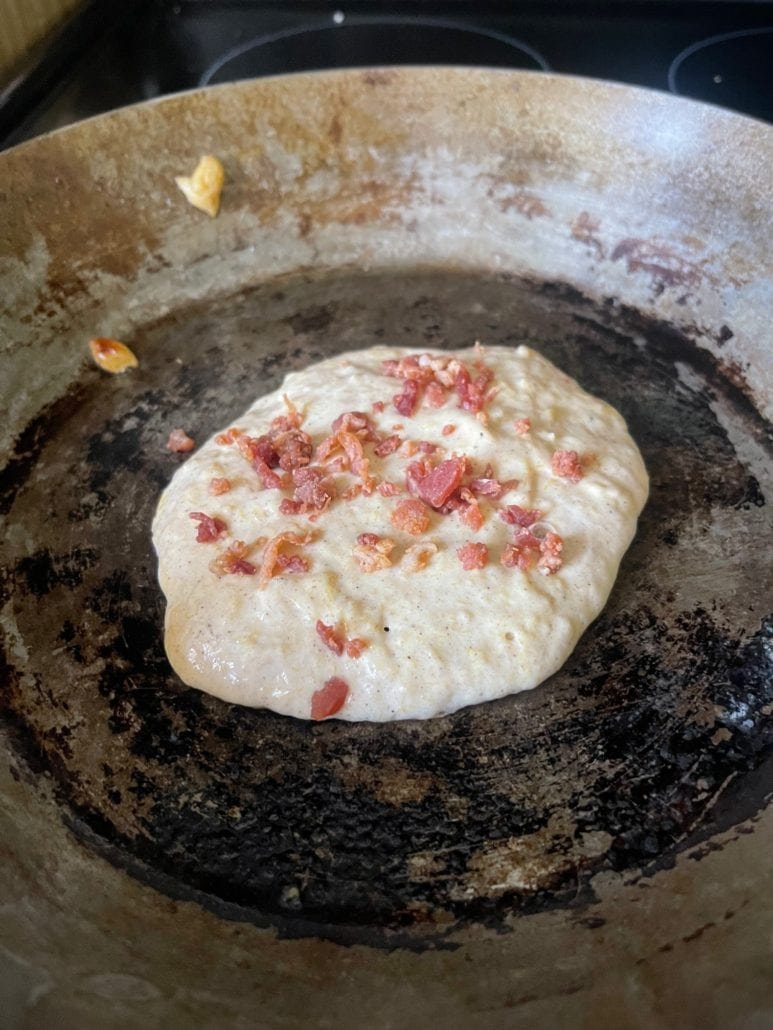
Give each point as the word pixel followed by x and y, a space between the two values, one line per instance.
pixel 405 831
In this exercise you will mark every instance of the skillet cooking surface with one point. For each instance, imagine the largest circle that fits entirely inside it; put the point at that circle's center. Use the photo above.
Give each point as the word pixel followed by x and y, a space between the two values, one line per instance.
pixel 655 726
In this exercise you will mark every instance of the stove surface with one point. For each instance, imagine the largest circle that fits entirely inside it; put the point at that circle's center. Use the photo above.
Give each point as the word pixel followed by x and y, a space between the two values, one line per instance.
pixel 109 56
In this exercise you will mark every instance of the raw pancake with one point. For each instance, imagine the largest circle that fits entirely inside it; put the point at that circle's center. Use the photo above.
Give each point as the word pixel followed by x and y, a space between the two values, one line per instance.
pixel 440 637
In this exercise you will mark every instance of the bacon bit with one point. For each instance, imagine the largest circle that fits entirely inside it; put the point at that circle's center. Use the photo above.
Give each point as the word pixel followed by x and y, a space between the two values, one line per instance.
pixel 310 488
pixel 372 552
pixel 397 427
pixel 368 539
pixel 417 556
pixel 378 406
pixel 487 486
pixel 292 563
pixel 411 368
pixel 202 189
pixel 355 646
pixel 330 637
pixel 411 516
pixel 522 553
pixel 354 456
pixel 329 699
pixel 112 355
pixel 407 401
pixel 435 395
pixel 550 554
pixel 437 486
pixel 387 489
pixel 515 515
pixel 387 446
pixel 179 442
pixel 471 515
pixel 448 429
pixel 209 528
pixel 352 491
pixel 271 555
pixel 354 422
pixel 472 556
pixel 229 436
pixel 427 447
pixel 233 560
pixel 473 393
pixel 415 473
pixel 409 448
pixel 522 426
pixel 219 486
pixel 293 418
pixel 567 464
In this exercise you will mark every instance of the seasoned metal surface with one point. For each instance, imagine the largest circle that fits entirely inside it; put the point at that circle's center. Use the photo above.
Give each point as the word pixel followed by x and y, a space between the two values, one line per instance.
pixel 595 853
pixel 362 831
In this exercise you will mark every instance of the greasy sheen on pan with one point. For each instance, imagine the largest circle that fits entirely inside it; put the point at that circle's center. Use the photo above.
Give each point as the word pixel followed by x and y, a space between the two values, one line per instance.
pixel 394 534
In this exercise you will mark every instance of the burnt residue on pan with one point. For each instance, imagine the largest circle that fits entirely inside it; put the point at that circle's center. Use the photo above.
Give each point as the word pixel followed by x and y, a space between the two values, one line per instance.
pixel 656 732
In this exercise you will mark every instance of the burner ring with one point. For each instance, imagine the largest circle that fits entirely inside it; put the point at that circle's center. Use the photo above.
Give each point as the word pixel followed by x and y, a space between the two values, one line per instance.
pixel 497 42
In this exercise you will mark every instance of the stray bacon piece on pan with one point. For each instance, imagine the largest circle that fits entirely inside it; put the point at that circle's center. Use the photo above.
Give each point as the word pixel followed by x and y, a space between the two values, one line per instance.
pixel 568 465
pixel 112 355
pixel 329 699
pixel 209 528
pixel 179 442
pixel 412 516
pixel 202 189
pixel 472 556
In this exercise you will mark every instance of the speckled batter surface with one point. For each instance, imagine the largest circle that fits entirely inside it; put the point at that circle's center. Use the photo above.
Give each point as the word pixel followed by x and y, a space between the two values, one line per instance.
pixel 440 638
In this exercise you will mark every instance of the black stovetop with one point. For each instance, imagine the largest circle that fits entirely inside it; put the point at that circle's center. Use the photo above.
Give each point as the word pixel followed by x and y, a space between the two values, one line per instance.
pixel 110 54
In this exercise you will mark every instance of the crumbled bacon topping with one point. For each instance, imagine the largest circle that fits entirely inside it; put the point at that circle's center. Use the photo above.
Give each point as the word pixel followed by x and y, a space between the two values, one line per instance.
pixel 435 395
pixel 311 491
pixel 331 637
pixel 387 446
pixel 329 699
pixel 470 514
pixel 372 552
pixel 522 426
pixel 343 449
pixel 550 554
pixel 522 552
pixel 387 489
pixel 408 401
pixel 209 527
pixel 568 465
pixel 271 565
pixel 487 486
pixel 434 374
pixel 218 486
pixel 448 429
pixel 180 442
pixel 412 516
pixel 355 646
pixel 233 561
pixel 515 515
pixel 438 484
pixel 472 556
pixel 417 556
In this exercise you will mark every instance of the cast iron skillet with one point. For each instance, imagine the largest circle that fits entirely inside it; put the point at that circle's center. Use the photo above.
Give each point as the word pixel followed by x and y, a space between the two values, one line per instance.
pixel 414 207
